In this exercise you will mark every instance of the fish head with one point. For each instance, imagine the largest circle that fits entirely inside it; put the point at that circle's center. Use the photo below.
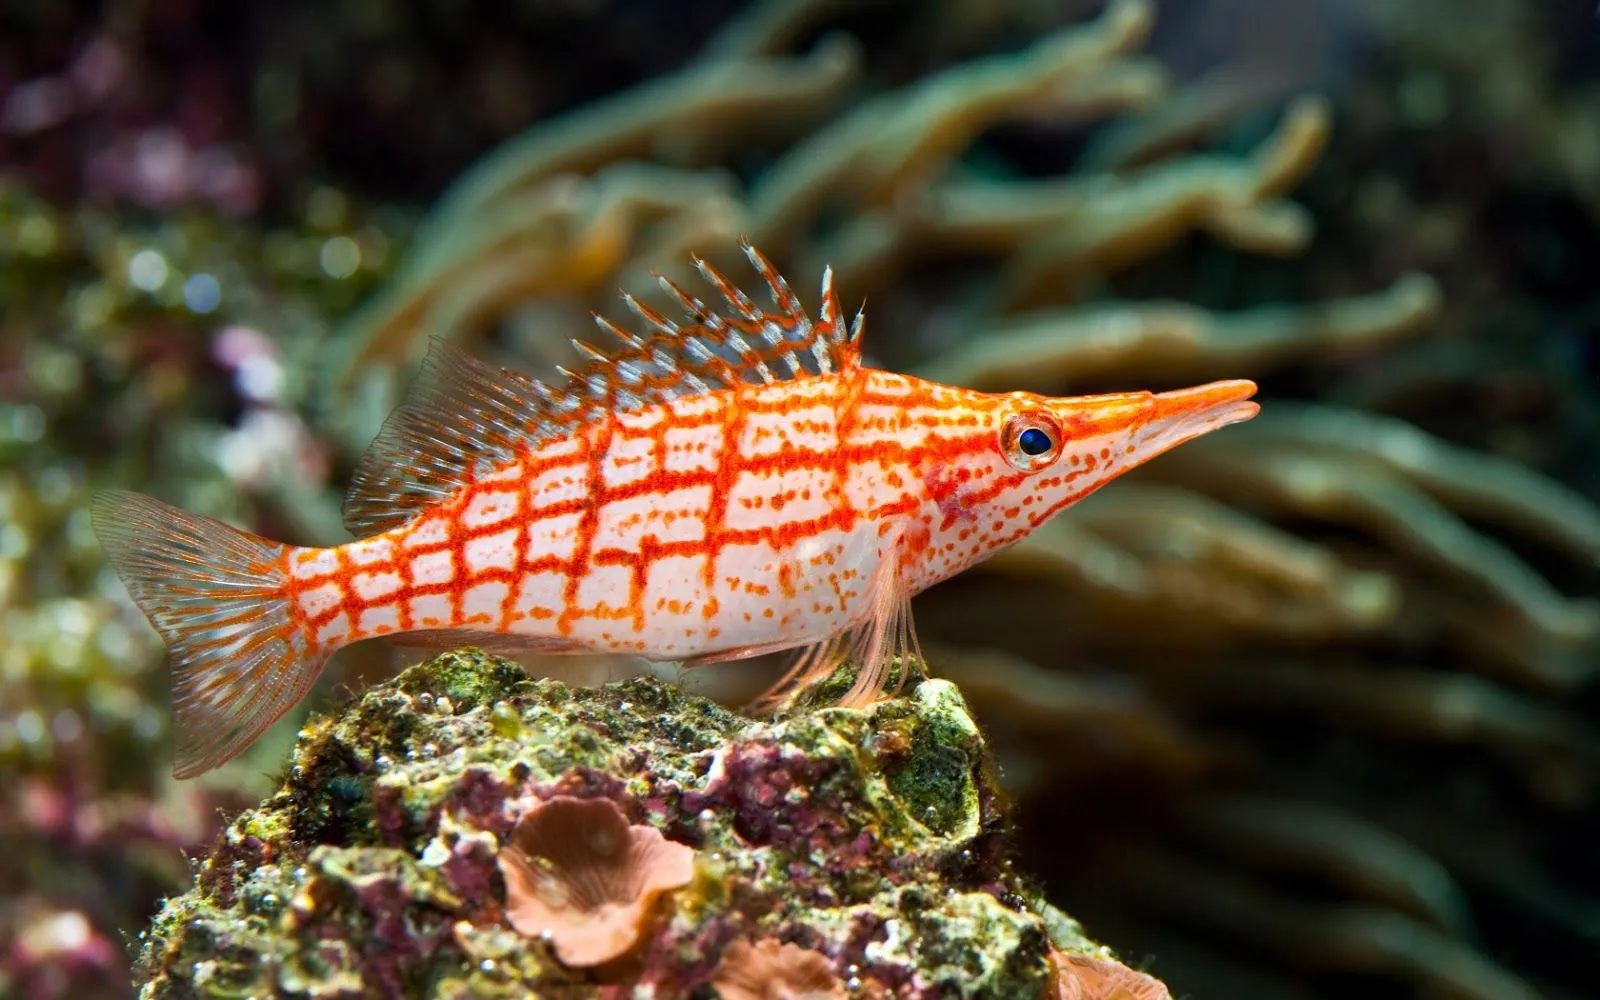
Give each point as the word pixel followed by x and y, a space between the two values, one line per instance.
pixel 1023 457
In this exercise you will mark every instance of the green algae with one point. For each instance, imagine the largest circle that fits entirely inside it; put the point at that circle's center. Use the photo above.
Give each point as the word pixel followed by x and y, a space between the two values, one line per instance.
pixel 466 679
pixel 936 780
pixel 870 835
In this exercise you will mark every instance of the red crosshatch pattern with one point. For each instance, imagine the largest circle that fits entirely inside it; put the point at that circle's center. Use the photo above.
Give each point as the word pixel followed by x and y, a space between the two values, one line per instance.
pixel 737 484
pixel 638 493
pixel 711 484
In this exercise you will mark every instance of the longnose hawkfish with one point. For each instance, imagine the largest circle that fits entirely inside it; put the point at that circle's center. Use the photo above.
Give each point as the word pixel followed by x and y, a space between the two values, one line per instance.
pixel 733 484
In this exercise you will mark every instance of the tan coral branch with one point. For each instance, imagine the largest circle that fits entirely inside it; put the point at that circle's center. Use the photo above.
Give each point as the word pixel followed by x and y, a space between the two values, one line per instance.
pixel 707 105
pixel 1475 483
pixel 1346 490
pixel 1133 217
pixel 1162 524
pixel 565 236
pixel 880 147
pixel 1209 574
pixel 1185 118
pixel 1045 351
pixel 882 240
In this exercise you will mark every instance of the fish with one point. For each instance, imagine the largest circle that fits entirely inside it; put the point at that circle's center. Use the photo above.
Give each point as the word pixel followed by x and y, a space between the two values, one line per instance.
pixel 734 482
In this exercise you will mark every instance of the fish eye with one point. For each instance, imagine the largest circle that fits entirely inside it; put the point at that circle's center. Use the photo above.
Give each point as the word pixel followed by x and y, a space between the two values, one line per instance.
pixel 1031 441
pixel 1034 441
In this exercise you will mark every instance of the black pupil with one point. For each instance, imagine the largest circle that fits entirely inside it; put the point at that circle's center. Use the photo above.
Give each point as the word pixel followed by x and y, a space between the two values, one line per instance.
pixel 1033 441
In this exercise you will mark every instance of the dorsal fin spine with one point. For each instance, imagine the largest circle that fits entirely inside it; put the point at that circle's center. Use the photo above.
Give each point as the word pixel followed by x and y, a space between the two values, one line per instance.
pixel 618 332
pixel 738 343
pixel 828 319
pixel 650 316
pixel 588 350
pixel 737 300
pixel 630 372
pixel 828 314
pixel 824 362
pixel 691 305
pixel 782 296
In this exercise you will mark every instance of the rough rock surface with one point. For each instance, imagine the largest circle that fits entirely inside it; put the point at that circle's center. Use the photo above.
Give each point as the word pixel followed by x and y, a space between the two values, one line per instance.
pixel 876 837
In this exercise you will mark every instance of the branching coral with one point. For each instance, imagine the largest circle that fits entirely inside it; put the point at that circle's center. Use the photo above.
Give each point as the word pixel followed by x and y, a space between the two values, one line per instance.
pixel 1393 483
pixel 1057 236
pixel 1133 217
pixel 1171 340
pixel 890 145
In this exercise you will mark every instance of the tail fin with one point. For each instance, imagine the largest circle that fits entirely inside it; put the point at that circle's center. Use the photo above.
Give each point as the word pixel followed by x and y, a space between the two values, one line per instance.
pixel 217 595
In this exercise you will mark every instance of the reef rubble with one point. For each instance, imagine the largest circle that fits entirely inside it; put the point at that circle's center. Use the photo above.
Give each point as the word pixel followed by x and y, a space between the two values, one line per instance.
pixel 866 844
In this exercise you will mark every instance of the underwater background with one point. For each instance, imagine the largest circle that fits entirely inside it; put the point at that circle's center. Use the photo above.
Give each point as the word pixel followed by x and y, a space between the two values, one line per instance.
pixel 1307 709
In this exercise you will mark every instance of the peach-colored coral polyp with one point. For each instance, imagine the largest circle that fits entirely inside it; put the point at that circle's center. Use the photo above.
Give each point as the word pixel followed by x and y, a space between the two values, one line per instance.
pixel 768 970
pixel 1080 977
pixel 580 876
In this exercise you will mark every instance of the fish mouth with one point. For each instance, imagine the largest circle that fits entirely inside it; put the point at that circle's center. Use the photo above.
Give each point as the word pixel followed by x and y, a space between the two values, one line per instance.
pixel 1185 414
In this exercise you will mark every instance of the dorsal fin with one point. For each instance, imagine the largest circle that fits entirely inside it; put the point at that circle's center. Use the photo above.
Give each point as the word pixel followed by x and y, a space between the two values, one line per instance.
pixel 463 417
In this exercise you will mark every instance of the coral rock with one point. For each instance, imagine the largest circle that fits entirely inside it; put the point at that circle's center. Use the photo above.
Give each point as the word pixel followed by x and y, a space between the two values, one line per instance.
pixel 871 840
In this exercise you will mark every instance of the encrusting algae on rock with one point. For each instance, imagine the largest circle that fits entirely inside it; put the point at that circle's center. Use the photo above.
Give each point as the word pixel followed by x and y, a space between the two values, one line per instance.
pixel 434 837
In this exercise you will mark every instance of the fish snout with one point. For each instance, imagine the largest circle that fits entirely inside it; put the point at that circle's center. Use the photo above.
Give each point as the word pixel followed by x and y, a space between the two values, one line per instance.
pixel 1185 414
